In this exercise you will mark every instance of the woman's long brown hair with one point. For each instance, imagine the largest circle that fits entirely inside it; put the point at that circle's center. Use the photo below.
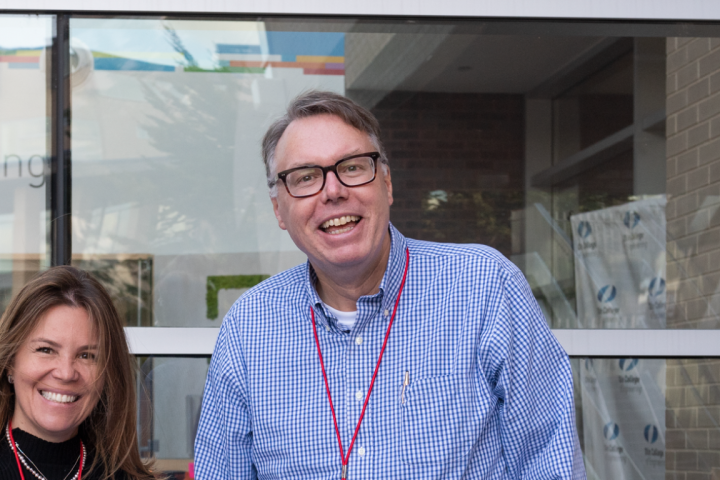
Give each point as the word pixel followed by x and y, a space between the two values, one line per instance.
pixel 110 430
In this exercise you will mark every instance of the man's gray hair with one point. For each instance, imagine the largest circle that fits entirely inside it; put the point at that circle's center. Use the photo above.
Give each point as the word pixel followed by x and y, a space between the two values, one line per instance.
pixel 313 103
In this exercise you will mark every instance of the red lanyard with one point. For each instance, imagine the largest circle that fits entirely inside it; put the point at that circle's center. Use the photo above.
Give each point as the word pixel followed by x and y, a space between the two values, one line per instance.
pixel 343 458
pixel 17 459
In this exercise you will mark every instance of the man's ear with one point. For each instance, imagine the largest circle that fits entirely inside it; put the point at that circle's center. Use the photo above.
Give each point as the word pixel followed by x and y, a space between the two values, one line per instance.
pixel 388 183
pixel 276 210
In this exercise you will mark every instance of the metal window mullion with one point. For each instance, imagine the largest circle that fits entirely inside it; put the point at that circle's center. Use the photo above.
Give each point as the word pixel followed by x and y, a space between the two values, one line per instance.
pixel 60 173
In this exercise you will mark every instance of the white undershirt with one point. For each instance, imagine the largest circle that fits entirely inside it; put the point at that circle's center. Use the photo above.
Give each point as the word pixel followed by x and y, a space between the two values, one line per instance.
pixel 345 319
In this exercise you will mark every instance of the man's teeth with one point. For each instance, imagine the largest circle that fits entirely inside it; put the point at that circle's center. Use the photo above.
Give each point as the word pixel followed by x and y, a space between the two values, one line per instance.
pixel 341 230
pixel 56 397
pixel 336 222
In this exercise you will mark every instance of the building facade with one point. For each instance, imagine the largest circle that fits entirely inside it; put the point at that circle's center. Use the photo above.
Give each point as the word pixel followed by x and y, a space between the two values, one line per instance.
pixel 581 141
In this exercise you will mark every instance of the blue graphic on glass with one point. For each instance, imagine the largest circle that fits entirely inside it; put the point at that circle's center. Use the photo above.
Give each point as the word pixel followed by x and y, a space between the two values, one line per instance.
pixel 607 294
pixel 656 287
pixel 611 430
pixel 627 364
pixel 651 433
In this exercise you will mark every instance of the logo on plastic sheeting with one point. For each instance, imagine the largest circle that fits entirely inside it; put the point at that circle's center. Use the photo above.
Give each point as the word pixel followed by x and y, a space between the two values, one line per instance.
pixel 584 229
pixel 611 430
pixel 627 364
pixel 632 218
pixel 607 294
pixel 585 243
pixel 651 433
pixel 656 287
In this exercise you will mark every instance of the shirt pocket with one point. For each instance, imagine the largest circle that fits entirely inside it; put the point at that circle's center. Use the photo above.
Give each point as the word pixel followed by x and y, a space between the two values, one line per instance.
pixel 437 420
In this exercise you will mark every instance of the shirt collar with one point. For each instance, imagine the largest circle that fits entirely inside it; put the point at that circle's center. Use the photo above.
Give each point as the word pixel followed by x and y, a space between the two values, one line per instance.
pixel 389 286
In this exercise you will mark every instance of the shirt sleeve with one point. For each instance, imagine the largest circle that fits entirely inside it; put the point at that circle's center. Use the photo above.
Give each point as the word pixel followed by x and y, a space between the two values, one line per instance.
pixel 224 439
pixel 531 376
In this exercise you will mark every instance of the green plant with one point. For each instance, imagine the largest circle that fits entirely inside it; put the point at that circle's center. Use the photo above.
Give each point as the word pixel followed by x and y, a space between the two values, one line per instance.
pixel 215 283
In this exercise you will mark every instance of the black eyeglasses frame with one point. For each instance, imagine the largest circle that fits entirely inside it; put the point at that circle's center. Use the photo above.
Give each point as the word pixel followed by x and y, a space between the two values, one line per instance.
pixel 330 168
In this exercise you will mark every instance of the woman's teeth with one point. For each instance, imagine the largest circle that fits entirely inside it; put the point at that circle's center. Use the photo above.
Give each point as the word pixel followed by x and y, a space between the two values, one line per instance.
pixel 58 398
pixel 336 222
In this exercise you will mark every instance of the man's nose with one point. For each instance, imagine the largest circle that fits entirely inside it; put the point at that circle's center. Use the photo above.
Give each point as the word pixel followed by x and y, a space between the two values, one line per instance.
pixel 333 188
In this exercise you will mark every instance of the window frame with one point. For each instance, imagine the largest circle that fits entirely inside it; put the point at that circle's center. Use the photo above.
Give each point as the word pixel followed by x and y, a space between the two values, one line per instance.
pixel 693 10
pixel 193 341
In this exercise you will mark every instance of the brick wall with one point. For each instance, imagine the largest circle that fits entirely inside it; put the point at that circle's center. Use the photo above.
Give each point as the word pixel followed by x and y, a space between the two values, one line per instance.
pixel 693 262
pixel 456 163
pixel 692 438
pixel 693 181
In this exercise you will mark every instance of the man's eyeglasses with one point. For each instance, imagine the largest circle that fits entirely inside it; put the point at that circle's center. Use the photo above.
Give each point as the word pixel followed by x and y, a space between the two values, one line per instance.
pixel 351 172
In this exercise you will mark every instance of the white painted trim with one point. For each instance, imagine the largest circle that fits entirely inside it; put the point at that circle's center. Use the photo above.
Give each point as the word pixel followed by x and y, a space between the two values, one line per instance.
pixel 594 9
pixel 640 343
pixel 171 341
pixel 577 343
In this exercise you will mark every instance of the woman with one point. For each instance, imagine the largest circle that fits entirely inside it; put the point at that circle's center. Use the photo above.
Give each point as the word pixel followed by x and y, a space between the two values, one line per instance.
pixel 67 389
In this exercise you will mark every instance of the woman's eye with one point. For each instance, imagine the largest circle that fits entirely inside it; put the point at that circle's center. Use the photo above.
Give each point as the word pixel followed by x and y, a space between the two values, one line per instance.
pixel 44 350
pixel 87 356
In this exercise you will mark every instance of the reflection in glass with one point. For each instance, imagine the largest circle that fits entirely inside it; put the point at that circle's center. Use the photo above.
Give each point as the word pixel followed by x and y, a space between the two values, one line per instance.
pixel 623 415
pixel 532 156
pixel 595 212
pixel 648 418
pixel 620 265
pixel 169 401
pixel 128 280
pixel 595 108
pixel 166 152
pixel 24 149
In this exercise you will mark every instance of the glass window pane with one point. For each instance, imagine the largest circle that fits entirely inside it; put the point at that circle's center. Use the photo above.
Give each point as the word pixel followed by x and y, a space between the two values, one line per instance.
pixel 648 418
pixel 636 418
pixel 584 152
pixel 24 149
pixel 169 399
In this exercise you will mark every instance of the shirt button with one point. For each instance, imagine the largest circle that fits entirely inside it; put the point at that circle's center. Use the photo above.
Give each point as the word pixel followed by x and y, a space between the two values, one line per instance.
pixel 359 395
pixel 386 312
pixel 358 340
pixel 361 451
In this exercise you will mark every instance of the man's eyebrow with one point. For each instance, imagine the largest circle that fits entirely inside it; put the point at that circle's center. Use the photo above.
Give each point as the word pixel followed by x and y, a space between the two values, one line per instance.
pixel 304 165
pixel 354 152
pixel 309 164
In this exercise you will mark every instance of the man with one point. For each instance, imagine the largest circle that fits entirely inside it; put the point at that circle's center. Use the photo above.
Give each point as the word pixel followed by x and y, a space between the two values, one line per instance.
pixel 382 357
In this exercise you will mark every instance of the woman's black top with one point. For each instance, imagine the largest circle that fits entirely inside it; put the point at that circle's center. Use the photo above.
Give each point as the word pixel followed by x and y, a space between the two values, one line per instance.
pixel 54 460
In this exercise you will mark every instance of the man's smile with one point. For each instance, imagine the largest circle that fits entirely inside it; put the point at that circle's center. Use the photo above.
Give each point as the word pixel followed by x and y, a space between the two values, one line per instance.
pixel 342 224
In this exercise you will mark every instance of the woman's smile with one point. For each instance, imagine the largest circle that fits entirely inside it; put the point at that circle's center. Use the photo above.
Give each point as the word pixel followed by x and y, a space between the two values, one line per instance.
pixel 55 375
pixel 58 397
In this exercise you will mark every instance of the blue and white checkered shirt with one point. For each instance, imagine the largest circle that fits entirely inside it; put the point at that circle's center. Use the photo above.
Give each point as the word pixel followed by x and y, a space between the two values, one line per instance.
pixel 490 393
